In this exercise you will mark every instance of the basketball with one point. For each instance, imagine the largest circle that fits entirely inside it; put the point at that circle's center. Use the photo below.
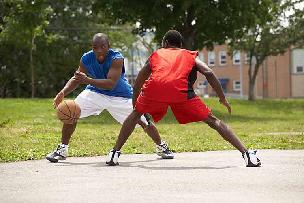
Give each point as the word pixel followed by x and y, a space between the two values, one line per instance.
pixel 68 111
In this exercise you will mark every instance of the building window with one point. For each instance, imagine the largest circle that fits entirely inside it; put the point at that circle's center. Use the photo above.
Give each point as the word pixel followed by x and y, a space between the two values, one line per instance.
pixel 224 82
pixel 299 69
pixel 247 58
pixel 236 85
pixel 297 56
pixel 201 56
pixel 222 57
pixel 211 58
pixel 202 84
pixel 236 57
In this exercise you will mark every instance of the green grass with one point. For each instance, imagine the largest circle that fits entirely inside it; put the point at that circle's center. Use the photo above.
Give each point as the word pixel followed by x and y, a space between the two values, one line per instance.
pixel 29 129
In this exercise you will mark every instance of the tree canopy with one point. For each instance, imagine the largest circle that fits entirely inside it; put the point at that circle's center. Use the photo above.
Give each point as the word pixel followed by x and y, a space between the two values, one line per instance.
pixel 256 27
pixel 42 42
pixel 201 22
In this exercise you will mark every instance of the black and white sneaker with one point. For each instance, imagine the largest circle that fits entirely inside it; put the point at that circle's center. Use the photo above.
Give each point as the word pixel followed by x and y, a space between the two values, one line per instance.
pixel 251 159
pixel 163 151
pixel 59 154
pixel 113 156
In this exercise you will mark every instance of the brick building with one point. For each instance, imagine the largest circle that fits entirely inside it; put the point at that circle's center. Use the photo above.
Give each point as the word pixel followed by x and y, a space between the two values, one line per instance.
pixel 279 76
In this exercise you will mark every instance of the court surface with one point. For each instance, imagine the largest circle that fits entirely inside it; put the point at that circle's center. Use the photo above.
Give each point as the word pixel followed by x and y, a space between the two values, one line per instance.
pixel 191 177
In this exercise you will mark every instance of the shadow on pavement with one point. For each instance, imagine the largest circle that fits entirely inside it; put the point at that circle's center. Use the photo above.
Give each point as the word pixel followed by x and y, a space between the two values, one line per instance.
pixel 133 164
pixel 180 168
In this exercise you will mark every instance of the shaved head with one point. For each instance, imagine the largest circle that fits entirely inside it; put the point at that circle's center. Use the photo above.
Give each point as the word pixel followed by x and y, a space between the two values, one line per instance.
pixel 100 37
pixel 100 46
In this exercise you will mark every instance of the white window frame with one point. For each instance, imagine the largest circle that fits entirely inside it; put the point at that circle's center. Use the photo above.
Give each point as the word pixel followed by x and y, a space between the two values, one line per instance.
pixel 236 56
pixel 247 58
pixel 222 53
pixel 237 87
pixel 201 85
pixel 297 60
pixel 211 55
pixel 201 56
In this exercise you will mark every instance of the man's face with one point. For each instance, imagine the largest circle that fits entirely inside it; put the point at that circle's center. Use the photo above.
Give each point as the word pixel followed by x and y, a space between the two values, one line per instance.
pixel 100 48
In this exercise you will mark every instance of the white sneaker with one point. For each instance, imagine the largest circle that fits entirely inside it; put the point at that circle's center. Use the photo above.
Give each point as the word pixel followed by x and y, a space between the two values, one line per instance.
pixel 163 151
pixel 251 160
pixel 59 154
pixel 113 156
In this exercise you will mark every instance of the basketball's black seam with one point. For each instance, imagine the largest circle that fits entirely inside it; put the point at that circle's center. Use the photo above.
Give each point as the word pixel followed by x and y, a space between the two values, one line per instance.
pixel 68 109
pixel 63 113
pixel 66 119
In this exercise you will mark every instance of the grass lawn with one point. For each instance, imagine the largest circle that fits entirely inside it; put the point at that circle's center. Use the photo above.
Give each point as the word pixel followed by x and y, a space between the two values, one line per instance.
pixel 29 129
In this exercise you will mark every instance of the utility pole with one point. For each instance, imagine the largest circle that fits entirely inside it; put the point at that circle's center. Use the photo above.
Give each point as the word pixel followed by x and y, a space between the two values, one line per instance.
pixel 276 77
pixel 132 68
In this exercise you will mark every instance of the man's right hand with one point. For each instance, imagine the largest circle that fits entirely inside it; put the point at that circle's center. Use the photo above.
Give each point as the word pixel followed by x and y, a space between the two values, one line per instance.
pixel 226 104
pixel 58 99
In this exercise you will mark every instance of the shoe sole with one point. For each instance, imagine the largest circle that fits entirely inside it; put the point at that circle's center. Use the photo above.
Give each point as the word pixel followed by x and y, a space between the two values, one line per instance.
pixel 167 157
pixel 111 163
pixel 53 160
pixel 252 165
pixel 164 157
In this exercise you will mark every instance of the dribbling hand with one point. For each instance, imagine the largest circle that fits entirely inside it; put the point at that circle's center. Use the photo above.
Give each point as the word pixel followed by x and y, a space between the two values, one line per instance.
pixel 58 99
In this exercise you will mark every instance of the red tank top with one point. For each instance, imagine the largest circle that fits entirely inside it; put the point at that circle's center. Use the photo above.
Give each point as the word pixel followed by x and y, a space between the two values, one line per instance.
pixel 173 75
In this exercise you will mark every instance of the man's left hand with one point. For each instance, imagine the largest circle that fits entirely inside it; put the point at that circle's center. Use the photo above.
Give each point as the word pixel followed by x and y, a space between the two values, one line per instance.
pixel 81 77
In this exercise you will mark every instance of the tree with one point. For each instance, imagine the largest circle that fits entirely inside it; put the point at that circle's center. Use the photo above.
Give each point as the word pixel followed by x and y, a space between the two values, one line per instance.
pixel 201 22
pixel 25 21
pixel 270 36
pixel 295 30
pixel 63 31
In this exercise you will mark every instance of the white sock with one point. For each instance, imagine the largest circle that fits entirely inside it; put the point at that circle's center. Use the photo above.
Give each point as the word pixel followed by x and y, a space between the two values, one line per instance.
pixel 64 146
pixel 162 142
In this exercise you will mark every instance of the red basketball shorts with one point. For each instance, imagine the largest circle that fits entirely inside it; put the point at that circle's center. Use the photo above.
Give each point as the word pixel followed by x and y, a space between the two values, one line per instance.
pixel 192 110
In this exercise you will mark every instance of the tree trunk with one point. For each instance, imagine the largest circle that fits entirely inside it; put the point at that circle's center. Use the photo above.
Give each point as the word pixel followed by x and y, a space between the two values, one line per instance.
pixel 3 91
pixel 188 31
pixel 189 42
pixel 251 95
pixel 252 78
pixel 32 66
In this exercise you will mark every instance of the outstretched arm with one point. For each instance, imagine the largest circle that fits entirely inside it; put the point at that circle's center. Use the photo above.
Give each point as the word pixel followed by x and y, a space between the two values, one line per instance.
pixel 109 83
pixel 143 75
pixel 214 82
pixel 69 87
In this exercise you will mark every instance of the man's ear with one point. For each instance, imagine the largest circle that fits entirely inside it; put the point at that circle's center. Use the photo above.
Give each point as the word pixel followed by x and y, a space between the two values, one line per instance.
pixel 166 43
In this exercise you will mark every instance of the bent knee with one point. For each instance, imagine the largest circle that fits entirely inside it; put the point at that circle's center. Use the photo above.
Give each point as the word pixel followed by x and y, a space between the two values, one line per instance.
pixel 213 121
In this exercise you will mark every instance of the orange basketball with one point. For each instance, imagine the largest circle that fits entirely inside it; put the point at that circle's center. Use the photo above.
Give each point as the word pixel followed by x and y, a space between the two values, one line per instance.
pixel 68 111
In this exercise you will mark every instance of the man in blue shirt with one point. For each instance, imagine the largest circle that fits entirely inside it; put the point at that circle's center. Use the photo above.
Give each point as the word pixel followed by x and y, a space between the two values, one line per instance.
pixel 102 69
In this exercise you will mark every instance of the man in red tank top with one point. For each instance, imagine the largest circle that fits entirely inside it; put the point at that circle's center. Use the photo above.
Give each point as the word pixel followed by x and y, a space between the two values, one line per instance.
pixel 166 80
pixel 171 70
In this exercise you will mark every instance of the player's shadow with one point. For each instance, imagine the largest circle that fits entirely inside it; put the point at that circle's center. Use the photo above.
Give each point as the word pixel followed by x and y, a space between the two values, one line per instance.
pixel 173 168
pixel 132 164
pixel 96 164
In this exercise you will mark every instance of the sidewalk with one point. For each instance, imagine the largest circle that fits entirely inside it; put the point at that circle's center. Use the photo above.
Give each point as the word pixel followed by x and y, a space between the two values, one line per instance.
pixel 190 177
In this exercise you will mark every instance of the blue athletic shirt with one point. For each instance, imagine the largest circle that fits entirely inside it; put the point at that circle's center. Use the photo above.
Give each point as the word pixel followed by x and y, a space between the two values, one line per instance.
pixel 100 71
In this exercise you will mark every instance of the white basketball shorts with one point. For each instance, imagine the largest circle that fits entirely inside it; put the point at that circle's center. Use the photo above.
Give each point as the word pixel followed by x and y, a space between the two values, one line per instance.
pixel 93 103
